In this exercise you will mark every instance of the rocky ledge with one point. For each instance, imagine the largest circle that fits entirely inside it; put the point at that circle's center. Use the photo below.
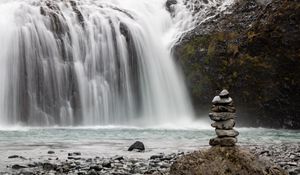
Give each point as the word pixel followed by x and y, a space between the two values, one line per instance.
pixel 252 49
pixel 286 156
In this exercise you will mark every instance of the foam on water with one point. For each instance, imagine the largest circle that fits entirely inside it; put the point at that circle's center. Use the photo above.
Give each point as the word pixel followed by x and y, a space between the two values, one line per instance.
pixel 95 62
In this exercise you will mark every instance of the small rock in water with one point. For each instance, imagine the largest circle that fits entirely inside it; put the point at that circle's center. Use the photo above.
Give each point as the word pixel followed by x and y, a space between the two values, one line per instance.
pixel 96 168
pixel 92 172
pixel 73 158
pixel 17 167
pixel 139 146
pixel 228 124
pixel 51 152
pixel 13 156
pixel 118 158
pixel 106 164
pixel 74 154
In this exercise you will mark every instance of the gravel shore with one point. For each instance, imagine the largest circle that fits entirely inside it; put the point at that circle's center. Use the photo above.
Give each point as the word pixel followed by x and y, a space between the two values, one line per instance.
pixel 286 156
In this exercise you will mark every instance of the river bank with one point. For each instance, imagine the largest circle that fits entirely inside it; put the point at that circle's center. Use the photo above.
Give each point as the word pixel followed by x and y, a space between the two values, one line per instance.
pixel 103 144
pixel 287 156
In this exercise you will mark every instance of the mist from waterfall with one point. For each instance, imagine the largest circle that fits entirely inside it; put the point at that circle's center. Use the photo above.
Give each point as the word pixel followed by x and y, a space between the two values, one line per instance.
pixel 93 62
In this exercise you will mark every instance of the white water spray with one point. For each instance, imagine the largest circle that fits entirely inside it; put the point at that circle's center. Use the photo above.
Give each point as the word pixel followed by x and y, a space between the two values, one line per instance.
pixel 92 62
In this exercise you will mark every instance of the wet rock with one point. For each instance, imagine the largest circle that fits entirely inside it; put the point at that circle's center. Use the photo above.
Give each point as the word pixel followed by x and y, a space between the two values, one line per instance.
pixel 221 116
pixel 74 158
pixel 139 146
pixel 118 158
pixel 107 164
pixel 224 94
pixel 74 154
pixel 228 124
pixel 217 108
pixel 225 141
pixel 49 166
pixel 221 101
pixel 51 152
pixel 13 156
pixel 17 167
pixel 226 133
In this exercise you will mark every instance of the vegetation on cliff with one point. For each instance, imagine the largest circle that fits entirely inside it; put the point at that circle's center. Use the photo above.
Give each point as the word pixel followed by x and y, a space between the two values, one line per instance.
pixel 255 53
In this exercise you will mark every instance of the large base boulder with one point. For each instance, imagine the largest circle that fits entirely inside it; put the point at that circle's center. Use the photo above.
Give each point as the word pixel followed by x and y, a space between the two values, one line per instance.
pixel 223 161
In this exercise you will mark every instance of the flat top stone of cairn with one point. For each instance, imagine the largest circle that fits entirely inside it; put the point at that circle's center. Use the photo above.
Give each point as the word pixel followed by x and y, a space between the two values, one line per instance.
pixel 224 93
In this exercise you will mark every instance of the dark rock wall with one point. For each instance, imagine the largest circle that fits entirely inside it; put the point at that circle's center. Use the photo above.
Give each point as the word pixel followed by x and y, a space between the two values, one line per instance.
pixel 255 53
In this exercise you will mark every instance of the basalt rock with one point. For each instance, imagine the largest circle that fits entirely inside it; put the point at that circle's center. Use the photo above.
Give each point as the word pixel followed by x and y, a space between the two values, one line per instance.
pixel 224 141
pixel 226 133
pixel 139 146
pixel 253 50
pixel 216 108
pixel 228 124
pixel 223 116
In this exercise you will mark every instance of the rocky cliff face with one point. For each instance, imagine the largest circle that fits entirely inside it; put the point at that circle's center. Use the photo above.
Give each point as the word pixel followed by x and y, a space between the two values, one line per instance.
pixel 254 51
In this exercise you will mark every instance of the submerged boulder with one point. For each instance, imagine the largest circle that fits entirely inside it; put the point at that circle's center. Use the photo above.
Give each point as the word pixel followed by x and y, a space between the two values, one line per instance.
pixel 223 161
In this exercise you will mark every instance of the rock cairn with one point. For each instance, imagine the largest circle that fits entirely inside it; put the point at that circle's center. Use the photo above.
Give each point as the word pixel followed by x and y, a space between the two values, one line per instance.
pixel 223 113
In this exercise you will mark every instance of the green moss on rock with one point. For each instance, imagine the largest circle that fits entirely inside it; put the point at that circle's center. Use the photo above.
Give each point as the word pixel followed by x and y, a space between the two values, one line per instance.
pixel 260 64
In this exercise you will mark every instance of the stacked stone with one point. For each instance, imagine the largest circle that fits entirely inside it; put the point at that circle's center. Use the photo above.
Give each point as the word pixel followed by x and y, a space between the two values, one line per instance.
pixel 223 113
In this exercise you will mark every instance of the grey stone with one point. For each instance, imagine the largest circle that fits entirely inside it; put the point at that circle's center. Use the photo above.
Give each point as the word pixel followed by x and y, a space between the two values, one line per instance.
pixel 13 156
pixel 228 124
pixel 96 167
pixel 220 108
pixel 159 156
pixel 106 164
pixel 51 152
pixel 49 166
pixel 224 93
pixel 92 172
pixel 139 146
pixel 17 167
pixel 225 141
pixel 222 116
pixel 221 101
pixel 226 133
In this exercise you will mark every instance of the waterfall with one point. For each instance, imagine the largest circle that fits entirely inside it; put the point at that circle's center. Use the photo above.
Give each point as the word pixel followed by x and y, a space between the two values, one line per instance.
pixel 92 62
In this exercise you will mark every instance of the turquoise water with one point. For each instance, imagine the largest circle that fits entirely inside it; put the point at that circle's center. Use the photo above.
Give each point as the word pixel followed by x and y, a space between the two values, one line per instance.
pixel 81 135
pixel 109 141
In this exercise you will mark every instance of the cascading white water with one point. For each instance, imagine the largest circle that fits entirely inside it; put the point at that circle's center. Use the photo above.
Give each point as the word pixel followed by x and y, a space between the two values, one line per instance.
pixel 92 62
